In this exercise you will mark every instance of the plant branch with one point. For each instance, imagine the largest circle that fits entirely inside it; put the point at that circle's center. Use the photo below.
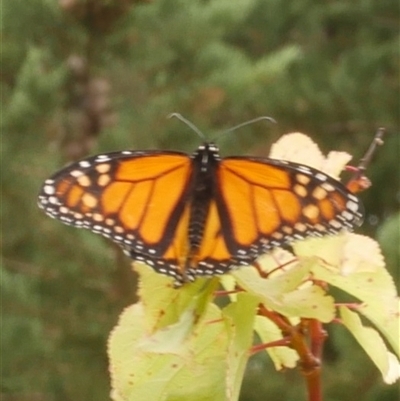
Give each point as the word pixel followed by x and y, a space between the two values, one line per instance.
pixel 307 339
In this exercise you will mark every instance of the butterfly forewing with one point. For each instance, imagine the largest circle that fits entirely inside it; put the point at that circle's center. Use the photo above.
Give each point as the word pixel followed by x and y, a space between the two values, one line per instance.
pixel 134 198
pixel 266 203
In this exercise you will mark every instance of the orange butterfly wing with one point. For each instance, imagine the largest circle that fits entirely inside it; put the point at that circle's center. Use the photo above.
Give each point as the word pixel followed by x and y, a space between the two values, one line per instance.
pixel 264 203
pixel 138 199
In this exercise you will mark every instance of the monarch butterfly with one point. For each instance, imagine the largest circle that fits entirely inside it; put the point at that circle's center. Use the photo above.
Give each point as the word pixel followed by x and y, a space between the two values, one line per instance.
pixel 200 214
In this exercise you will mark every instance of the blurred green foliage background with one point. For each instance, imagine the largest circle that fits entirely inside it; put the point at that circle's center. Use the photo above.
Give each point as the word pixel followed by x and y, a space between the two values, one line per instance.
pixel 83 77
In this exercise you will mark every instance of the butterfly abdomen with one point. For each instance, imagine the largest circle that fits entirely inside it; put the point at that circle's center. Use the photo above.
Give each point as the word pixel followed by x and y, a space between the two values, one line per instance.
pixel 205 161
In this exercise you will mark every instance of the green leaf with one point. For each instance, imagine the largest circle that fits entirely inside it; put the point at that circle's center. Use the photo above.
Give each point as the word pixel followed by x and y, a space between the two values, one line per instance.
pixel 282 292
pixel 277 259
pixel 372 343
pixel 170 339
pixel 239 319
pixel 165 304
pixel 139 374
pixel 328 249
pixel 386 319
pixel 310 302
pixel 271 289
pixel 268 331
pixel 174 365
pixel 354 264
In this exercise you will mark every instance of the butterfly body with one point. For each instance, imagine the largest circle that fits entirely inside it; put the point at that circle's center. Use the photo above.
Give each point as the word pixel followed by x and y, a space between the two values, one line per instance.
pixel 188 216
pixel 200 194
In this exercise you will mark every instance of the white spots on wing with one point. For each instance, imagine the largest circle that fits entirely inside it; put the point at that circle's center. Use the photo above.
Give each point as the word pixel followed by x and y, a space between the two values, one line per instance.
pixel 328 187
pixel 347 215
pixel 84 164
pixel 351 205
pixel 49 189
pixel 321 177
pixel 53 200
pixel 304 169
pixel 76 173
pixel 102 158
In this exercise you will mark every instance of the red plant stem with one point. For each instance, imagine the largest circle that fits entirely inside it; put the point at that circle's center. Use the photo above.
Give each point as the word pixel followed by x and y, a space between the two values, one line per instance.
pixel 283 342
pixel 317 336
pixel 313 381
pixel 351 169
pixel 310 356
pixel 214 321
pixel 352 305
pixel 297 338
pixel 220 293
pixel 279 320
pixel 264 274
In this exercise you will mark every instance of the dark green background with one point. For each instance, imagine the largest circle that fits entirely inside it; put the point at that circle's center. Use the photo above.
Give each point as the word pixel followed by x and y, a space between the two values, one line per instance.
pixel 83 77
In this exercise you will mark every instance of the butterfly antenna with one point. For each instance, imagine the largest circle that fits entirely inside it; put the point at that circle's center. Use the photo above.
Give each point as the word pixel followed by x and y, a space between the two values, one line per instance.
pixel 188 123
pixel 254 120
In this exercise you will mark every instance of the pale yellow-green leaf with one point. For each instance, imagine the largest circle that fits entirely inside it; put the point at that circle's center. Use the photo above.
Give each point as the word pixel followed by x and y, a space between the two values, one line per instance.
pixel 299 148
pixel 335 162
pixel 170 339
pixel 371 342
pixel 327 249
pixel 140 374
pixel 239 320
pixel 386 318
pixel 377 292
pixel 277 261
pixel 282 292
pixel 228 283
pixel 282 357
pixel 203 374
pixel 165 304
pixel 273 287
pixel 129 368
pixel 310 302
pixel 354 264
pixel 393 373
pixel 361 254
